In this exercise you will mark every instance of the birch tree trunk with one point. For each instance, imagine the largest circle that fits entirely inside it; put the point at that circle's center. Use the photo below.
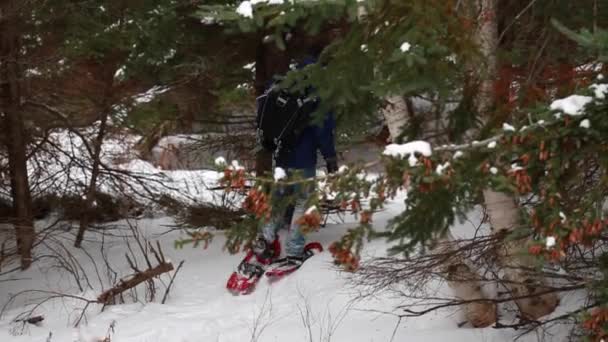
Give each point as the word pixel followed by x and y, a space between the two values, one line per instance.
pixel 518 267
pixel 460 277
pixel 502 208
pixel 395 115
pixel 11 110
pixel 464 283
pixel 486 38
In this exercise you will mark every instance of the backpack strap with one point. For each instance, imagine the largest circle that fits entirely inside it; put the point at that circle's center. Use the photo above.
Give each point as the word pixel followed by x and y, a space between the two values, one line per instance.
pixel 278 139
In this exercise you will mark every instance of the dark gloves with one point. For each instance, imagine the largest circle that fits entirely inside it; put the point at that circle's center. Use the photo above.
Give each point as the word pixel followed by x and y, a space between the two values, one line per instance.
pixel 332 165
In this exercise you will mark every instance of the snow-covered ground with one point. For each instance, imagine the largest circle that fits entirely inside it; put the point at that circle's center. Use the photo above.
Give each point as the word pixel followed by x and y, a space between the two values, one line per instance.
pixel 317 303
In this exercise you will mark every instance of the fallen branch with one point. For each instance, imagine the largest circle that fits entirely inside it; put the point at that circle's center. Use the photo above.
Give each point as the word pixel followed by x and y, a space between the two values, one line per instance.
pixel 136 279
pixel 31 320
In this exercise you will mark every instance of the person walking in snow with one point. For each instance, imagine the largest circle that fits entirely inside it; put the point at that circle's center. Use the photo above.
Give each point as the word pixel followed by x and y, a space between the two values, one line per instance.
pixel 299 160
pixel 286 129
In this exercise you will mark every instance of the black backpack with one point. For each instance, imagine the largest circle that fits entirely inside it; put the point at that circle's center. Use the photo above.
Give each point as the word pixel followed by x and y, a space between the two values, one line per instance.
pixel 282 115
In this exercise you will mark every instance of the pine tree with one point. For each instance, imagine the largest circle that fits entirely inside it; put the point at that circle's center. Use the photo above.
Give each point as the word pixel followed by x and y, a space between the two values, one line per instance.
pixel 81 63
pixel 12 116
pixel 520 146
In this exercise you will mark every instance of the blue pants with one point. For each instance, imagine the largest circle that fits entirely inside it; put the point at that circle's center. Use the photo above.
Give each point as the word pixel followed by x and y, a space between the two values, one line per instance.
pixel 289 215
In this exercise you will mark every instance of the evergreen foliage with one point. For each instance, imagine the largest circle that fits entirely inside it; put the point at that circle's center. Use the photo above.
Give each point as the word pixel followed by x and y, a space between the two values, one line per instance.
pixel 553 162
pixel 93 56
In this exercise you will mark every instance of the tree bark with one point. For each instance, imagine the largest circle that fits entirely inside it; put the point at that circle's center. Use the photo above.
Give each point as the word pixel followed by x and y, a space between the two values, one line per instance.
pixel 105 108
pixel 486 38
pixel 460 277
pixel 465 285
pixel 502 208
pixel 16 137
pixel 518 267
pixel 395 115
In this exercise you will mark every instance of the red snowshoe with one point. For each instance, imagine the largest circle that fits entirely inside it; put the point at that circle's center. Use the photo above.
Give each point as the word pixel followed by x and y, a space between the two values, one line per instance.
pixel 253 266
pixel 288 265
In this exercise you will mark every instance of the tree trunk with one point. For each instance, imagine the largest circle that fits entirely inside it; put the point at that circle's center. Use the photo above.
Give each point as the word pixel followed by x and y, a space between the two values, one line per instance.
pixel 105 107
pixel 465 285
pixel 16 141
pixel 92 188
pixel 461 278
pixel 518 267
pixel 486 38
pixel 502 208
pixel 395 115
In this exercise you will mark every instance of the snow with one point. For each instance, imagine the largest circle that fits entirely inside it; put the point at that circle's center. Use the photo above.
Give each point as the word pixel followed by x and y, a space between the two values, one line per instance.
pixel 515 167
pixel 562 216
pixel 208 20
pixel 402 150
pixel 57 173
pixel 409 149
pixel 170 54
pixel 441 167
pixel 457 154
pixel 342 169
pixel 311 209
pixel 550 241
pixel 245 9
pixel 200 309
pixel 507 128
pixel 235 166
pixel 590 67
pixel 405 47
pixel 364 47
pixel 220 161
pixel 585 123
pixel 572 105
pixel 600 90
pixel 150 94
pixel 120 73
pixel 492 144
pixel 33 72
pixel 493 170
pixel 279 173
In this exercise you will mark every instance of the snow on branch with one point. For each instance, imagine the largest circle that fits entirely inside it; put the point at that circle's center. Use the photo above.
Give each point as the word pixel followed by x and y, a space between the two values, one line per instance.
pixel 411 148
pixel 572 105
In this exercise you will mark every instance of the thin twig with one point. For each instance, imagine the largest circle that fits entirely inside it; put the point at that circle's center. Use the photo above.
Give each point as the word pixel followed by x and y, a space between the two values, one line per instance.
pixel 181 263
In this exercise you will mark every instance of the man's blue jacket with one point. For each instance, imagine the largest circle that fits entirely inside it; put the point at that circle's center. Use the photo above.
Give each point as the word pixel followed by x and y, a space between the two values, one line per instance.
pixel 314 137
